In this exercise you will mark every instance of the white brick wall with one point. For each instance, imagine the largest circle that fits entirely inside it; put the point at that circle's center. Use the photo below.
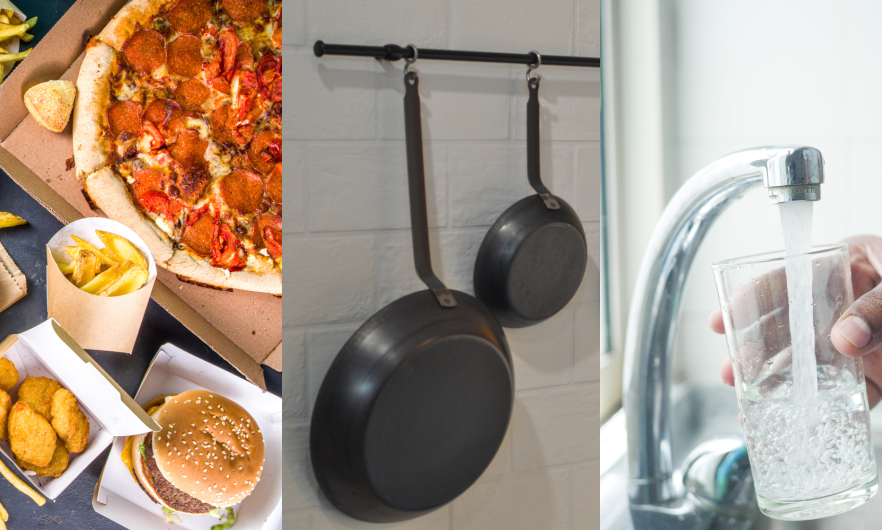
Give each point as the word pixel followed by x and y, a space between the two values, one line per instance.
pixel 347 232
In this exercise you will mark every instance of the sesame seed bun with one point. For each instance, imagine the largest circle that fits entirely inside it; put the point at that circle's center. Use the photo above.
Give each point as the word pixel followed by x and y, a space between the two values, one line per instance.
pixel 209 447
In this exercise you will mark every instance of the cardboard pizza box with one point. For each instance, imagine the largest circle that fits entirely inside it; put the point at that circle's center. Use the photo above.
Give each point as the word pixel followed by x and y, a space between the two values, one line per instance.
pixel 245 328
pixel 48 351
pixel 13 284
pixel 118 497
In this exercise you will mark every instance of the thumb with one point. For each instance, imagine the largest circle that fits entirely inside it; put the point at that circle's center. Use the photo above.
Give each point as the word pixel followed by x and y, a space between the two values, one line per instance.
pixel 859 330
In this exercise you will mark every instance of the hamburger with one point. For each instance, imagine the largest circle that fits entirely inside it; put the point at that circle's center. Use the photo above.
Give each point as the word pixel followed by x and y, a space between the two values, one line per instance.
pixel 208 456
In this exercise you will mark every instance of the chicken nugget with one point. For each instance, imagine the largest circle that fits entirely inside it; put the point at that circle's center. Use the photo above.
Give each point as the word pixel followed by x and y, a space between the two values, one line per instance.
pixel 56 466
pixel 5 405
pixel 30 436
pixel 69 421
pixel 8 375
pixel 37 392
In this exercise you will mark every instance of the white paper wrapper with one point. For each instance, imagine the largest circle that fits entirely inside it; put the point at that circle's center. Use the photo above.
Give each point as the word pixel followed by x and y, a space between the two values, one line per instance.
pixel 118 496
pixel 47 351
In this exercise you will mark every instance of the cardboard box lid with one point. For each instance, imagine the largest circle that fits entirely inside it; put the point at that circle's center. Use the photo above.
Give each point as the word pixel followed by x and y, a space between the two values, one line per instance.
pixel 47 351
pixel 172 371
pixel 40 160
pixel 85 378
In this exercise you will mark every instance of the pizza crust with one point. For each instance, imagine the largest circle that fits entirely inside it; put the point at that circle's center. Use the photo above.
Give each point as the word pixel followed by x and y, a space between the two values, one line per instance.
pixel 93 98
pixel 125 23
pixel 184 264
pixel 109 193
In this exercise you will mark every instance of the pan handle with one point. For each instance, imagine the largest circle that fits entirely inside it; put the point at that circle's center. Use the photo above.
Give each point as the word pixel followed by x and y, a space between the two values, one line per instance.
pixel 419 224
pixel 551 203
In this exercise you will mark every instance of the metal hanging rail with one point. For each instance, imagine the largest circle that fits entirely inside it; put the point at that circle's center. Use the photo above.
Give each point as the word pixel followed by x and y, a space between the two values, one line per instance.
pixel 393 52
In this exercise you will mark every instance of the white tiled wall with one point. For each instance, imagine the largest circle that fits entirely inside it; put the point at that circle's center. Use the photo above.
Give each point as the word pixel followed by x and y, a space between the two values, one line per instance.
pixel 347 236
pixel 757 73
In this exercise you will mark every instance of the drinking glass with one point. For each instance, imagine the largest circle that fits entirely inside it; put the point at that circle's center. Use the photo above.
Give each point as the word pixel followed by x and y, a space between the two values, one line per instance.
pixel 807 429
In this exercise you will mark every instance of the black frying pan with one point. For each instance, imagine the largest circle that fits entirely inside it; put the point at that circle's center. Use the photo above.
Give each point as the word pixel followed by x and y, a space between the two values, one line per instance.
pixel 532 259
pixel 416 404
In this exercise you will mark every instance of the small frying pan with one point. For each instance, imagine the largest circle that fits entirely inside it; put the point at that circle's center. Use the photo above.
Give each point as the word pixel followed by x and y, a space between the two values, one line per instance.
pixel 532 259
pixel 416 404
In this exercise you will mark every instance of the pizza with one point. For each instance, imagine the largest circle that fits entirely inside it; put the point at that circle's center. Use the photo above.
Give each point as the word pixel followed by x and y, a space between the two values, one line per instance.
pixel 177 134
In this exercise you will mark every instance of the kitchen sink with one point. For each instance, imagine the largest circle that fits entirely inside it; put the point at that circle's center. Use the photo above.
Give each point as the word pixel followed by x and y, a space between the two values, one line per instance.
pixel 699 414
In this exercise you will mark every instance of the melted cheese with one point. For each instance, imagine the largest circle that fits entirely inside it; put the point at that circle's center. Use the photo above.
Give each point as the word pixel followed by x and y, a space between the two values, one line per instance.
pixel 126 91
pixel 199 125
pixel 164 226
pixel 126 455
pixel 218 161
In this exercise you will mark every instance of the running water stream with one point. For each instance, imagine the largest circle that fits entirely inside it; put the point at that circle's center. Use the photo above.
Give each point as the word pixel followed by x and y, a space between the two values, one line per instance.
pixel 796 225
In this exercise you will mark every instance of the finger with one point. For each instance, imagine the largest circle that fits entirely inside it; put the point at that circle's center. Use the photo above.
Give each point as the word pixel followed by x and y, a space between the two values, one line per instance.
pixel 715 321
pixel 857 332
pixel 726 372
pixel 766 294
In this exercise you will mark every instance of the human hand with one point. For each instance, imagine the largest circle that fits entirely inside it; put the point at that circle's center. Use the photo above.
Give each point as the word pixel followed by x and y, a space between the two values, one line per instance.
pixel 858 332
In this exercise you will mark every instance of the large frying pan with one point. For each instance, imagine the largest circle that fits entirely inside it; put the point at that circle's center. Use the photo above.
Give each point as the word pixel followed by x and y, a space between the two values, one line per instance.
pixel 416 404
pixel 532 259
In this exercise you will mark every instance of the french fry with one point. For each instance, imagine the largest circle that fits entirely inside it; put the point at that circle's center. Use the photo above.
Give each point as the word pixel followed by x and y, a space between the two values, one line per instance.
pixel 4 515
pixel 20 485
pixel 127 268
pixel 137 277
pixel 13 31
pixel 10 57
pixel 86 267
pixel 103 256
pixel 107 278
pixel 4 18
pixel 13 19
pixel 7 219
pixel 121 248
pixel 26 37
pixel 8 12
pixel 67 268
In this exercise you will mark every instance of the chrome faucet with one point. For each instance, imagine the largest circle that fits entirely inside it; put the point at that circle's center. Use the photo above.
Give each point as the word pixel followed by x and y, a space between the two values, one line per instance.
pixel 660 499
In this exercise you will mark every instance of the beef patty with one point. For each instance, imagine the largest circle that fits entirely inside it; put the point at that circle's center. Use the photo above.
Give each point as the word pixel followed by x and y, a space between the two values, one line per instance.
pixel 177 499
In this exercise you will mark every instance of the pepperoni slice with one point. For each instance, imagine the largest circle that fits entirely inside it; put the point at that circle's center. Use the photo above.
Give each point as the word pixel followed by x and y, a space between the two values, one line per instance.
pixel 167 115
pixel 149 179
pixel 265 151
pixel 244 10
pixel 243 190
pixel 191 94
pixel 163 113
pixel 185 56
pixel 274 184
pixel 263 223
pixel 145 51
pixel 189 16
pixel 189 150
pixel 244 55
pixel 192 183
pixel 224 133
pixel 124 117
pixel 199 235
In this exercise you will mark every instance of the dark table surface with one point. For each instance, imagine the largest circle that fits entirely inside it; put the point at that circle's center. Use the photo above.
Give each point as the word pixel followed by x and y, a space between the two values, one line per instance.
pixel 73 508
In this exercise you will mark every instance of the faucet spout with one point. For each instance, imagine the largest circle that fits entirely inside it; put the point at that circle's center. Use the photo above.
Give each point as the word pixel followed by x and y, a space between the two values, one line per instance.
pixel 789 174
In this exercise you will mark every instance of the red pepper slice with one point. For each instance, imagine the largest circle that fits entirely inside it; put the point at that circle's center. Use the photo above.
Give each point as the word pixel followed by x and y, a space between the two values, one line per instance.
pixel 227 249
pixel 273 241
